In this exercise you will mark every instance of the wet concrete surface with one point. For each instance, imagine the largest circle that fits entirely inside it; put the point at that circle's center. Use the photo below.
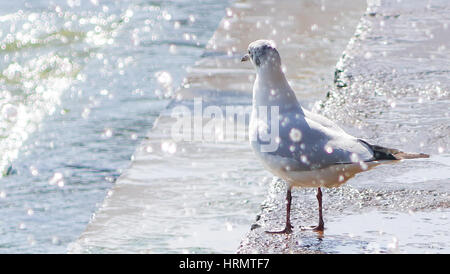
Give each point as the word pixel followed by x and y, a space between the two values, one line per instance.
pixel 392 88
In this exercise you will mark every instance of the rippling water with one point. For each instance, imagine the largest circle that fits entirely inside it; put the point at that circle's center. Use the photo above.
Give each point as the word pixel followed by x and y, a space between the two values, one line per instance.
pixel 81 82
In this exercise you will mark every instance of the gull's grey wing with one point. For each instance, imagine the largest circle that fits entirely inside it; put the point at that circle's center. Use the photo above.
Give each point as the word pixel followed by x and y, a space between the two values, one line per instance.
pixel 378 152
pixel 322 143
pixel 322 120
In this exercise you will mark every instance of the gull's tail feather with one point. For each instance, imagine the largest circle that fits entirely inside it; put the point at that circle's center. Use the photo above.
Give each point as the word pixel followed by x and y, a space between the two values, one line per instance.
pixel 384 153
pixel 404 155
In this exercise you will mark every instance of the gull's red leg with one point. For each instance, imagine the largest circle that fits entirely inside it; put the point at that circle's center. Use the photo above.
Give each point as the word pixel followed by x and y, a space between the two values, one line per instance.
pixel 320 227
pixel 288 227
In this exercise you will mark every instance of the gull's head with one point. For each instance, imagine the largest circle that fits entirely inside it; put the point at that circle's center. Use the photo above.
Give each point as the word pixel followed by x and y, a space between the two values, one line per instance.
pixel 262 53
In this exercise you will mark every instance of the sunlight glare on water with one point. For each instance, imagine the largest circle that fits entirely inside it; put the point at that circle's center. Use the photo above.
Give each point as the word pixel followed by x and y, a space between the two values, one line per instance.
pixel 77 94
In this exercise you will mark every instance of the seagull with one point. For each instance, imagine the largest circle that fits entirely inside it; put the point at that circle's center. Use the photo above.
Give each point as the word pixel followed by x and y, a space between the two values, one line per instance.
pixel 303 148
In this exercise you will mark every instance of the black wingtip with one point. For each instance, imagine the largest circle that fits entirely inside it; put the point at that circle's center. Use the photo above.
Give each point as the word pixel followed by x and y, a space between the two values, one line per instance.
pixel 384 153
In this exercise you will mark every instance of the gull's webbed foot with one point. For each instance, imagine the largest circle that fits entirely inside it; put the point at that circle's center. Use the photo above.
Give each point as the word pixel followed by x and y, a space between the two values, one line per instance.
pixel 286 230
pixel 318 228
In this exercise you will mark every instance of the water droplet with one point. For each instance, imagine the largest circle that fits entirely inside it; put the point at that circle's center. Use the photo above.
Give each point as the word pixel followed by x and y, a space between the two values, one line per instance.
pixel 164 78
pixel 34 171
pixel 31 240
pixel 225 175
pixel 57 177
pixel 354 158
pixel 32 17
pixel 107 133
pixel 226 24
pixel 295 135
pixel 393 246
pixel 86 112
pixel 158 93
pixel 441 48
pixel 277 140
pixel 173 49
pixel 55 240
pixel 363 165
pixel 328 149
pixel 169 147
pixel 149 149
pixel 9 112
pixel 129 13
pixel 304 159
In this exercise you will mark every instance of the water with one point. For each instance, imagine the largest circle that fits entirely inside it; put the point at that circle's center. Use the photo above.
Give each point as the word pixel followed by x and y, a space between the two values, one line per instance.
pixel 70 129
pixel 81 83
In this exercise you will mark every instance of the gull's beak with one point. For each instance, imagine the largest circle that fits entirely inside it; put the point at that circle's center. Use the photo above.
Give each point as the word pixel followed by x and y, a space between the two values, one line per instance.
pixel 245 58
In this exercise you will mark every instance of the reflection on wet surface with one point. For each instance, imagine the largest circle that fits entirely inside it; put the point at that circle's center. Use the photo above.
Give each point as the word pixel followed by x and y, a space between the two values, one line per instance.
pixel 352 212
pixel 368 232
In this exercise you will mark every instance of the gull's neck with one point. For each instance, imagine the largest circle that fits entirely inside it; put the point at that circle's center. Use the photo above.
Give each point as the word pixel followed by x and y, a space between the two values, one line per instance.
pixel 272 89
